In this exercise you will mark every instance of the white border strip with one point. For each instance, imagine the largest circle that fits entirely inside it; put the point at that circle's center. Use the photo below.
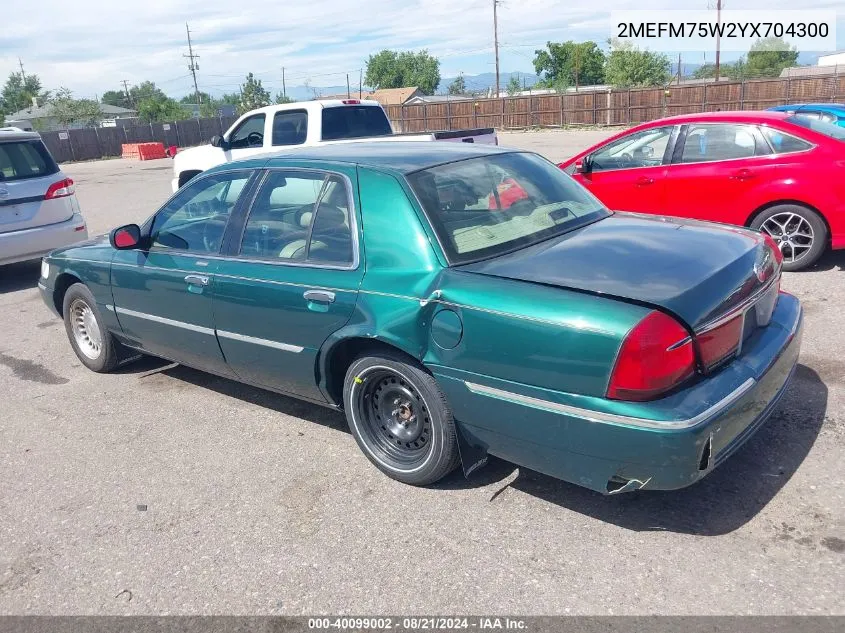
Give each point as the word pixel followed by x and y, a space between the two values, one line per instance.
pixel 610 418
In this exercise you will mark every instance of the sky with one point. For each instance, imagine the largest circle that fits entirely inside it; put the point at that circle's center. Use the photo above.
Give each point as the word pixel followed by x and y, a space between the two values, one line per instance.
pixel 90 46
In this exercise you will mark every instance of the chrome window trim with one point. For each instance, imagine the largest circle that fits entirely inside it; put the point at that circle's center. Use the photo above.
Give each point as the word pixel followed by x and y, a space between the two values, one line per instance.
pixel 610 418
pixel 353 218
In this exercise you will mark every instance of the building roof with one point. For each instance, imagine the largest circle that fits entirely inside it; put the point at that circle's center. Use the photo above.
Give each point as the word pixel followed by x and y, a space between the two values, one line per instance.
pixel 44 111
pixel 813 71
pixel 394 96
pixel 437 98
pixel 400 157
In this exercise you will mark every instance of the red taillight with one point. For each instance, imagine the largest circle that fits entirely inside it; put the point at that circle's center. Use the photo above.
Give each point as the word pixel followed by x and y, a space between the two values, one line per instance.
pixel 770 242
pixel 717 344
pixel 60 189
pixel 656 356
pixel 351 101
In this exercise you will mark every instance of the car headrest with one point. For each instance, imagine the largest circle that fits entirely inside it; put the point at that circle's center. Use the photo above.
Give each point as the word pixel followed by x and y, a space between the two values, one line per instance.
pixel 331 216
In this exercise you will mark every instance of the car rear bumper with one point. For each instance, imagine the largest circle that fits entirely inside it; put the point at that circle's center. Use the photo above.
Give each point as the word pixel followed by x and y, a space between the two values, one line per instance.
pixel 613 453
pixel 18 246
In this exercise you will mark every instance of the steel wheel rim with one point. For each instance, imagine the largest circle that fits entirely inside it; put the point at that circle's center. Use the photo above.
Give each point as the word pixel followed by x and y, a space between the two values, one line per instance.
pixel 394 418
pixel 86 330
pixel 792 233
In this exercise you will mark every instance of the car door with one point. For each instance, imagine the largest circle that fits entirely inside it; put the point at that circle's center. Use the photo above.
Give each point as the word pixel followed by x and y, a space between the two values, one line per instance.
pixel 247 139
pixel 163 293
pixel 292 280
pixel 715 170
pixel 628 174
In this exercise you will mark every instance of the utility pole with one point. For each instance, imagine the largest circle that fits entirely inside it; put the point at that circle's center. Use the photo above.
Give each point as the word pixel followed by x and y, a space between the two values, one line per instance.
pixel 360 83
pixel 193 66
pixel 496 42
pixel 284 90
pixel 347 86
pixel 126 90
pixel 679 69
pixel 23 76
pixel 718 43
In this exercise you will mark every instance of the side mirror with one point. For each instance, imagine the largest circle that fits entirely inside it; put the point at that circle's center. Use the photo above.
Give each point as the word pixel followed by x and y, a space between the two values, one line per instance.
pixel 125 237
pixel 219 141
pixel 582 166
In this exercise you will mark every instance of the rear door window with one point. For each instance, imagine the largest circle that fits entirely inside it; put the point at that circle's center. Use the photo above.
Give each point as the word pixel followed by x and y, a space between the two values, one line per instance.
pixel 354 122
pixel 20 160
pixel 783 143
pixel 290 127
pixel 716 142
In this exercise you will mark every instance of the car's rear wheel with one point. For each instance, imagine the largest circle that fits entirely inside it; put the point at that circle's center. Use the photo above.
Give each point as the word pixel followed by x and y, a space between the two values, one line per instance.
pixel 400 419
pixel 798 231
pixel 89 338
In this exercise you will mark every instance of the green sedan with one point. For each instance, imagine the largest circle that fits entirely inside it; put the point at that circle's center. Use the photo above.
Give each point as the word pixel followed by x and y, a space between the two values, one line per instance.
pixel 456 301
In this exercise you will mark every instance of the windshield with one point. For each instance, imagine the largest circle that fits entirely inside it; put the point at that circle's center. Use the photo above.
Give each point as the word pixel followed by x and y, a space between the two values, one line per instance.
pixel 342 122
pixel 822 127
pixel 488 206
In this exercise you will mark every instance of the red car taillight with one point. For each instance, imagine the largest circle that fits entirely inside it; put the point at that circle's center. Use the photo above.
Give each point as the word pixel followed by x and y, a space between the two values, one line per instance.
pixel 770 242
pixel 717 344
pixel 656 356
pixel 60 189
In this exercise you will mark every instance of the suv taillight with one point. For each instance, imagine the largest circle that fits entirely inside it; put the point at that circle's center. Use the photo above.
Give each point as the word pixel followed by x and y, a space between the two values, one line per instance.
pixel 656 356
pixel 716 344
pixel 60 189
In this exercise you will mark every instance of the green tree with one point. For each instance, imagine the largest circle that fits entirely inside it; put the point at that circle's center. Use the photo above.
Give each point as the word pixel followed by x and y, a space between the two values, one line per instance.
pixel 116 98
pixel 627 67
pixel 253 95
pixel 281 98
pixel 513 87
pixel 768 57
pixel 389 69
pixel 191 98
pixel 570 63
pixel 69 111
pixel 458 86
pixel 19 91
pixel 231 98
pixel 146 90
pixel 157 108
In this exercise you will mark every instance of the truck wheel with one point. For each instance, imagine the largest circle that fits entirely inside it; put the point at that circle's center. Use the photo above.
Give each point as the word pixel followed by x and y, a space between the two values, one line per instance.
pixel 400 419
pixel 89 338
pixel 799 232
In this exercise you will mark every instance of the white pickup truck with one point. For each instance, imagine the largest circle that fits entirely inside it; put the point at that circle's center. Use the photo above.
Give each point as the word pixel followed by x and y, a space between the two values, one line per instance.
pixel 308 123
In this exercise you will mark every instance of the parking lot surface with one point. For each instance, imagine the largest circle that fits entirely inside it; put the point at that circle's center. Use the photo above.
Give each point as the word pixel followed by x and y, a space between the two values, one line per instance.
pixel 161 489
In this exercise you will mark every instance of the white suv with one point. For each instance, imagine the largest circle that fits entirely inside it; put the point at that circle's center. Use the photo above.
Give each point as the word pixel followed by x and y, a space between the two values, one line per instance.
pixel 38 207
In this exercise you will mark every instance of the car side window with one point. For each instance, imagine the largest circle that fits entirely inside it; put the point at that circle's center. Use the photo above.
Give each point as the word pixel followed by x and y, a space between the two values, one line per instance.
pixel 300 216
pixel 645 148
pixel 783 143
pixel 250 133
pixel 290 127
pixel 715 142
pixel 195 218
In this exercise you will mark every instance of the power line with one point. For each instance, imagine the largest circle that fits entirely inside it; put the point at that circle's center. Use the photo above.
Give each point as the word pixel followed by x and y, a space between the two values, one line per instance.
pixel 193 66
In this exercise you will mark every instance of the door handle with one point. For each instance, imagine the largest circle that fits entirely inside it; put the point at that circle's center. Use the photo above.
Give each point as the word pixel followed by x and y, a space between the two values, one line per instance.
pixel 196 280
pixel 642 181
pixel 743 174
pixel 319 296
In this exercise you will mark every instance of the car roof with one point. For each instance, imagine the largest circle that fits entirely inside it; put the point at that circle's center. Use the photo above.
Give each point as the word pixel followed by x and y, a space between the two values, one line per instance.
pixel 759 116
pixel 16 134
pixel 397 156
pixel 797 106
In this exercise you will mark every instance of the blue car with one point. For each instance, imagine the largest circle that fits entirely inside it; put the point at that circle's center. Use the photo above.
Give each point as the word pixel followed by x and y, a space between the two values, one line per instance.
pixel 828 112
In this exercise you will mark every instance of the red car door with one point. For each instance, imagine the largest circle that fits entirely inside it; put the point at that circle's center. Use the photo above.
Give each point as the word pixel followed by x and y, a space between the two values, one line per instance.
pixel 629 173
pixel 716 172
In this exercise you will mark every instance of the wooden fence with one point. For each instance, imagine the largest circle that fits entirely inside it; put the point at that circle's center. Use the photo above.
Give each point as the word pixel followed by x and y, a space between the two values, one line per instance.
pixel 614 107
pixel 611 107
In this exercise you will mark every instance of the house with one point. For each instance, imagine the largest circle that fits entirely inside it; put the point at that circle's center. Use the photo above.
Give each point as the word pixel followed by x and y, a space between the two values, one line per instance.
pixel 805 72
pixel 394 96
pixel 42 119
pixel 832 59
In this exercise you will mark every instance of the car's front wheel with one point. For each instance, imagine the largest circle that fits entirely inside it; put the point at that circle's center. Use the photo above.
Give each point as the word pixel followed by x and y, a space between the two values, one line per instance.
pixel 89 338
pixel 799 232
pixel 400 419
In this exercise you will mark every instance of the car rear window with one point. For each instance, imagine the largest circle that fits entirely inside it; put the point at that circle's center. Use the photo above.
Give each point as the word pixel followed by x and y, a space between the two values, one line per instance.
pixel 822 127
pixel 783 143
pixel 20 160
pixel 354 122
pixel 489 206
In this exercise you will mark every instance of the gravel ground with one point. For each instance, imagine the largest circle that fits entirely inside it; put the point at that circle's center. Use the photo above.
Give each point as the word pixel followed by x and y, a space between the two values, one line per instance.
pixel 165 490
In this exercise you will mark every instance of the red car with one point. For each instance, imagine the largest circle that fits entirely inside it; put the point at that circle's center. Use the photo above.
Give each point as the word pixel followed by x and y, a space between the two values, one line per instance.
pixel 781 173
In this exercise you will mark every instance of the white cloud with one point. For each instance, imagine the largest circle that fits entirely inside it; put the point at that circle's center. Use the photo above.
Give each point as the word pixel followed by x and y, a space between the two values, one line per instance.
pixel 90 46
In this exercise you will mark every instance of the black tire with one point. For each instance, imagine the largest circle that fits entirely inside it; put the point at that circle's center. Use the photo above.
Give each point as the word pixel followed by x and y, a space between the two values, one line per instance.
pixel 427 450
pixel 794 257
pixel 102 357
